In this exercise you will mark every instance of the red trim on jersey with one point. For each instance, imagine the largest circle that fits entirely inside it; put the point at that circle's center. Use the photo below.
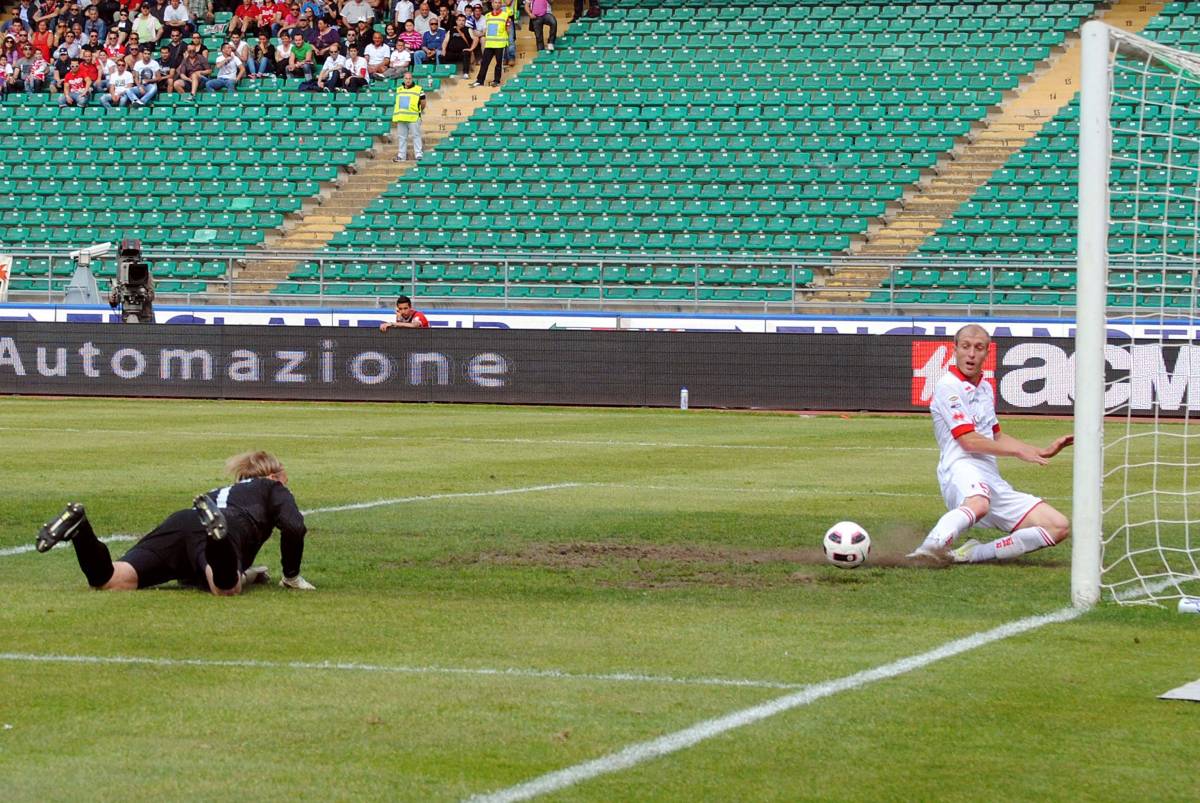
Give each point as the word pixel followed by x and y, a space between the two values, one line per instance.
pixel 1021 520
pixel 954 370
pixel 962 429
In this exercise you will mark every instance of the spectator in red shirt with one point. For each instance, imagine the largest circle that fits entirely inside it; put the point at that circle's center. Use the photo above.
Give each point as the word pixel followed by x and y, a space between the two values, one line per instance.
pixel 43 40
pixel 406 317
pixel 271 16
pixel 245 19
pixel 77 85
pixel 88 67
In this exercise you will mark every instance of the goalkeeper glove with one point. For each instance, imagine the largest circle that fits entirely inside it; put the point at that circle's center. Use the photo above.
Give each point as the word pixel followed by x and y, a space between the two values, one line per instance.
pixel 298 583
pixel 255 575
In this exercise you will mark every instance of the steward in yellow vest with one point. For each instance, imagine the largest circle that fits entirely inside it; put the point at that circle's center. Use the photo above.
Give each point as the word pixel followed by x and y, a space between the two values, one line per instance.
pixel 410 101
pixel 406 114
pixel 496 25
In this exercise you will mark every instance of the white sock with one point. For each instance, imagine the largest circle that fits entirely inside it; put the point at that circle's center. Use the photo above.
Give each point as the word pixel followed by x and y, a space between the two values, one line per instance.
pixel 1013 545
pixel 950 526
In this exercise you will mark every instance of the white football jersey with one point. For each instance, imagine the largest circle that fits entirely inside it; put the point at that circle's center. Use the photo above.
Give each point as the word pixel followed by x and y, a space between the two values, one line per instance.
pixel 960 406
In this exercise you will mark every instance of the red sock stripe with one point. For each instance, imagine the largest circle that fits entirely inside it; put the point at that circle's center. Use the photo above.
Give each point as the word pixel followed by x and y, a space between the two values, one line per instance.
pixel 970 513
pixel 1046 537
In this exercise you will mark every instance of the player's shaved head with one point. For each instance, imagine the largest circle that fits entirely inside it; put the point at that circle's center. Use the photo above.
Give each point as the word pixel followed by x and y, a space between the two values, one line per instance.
pixel 972 330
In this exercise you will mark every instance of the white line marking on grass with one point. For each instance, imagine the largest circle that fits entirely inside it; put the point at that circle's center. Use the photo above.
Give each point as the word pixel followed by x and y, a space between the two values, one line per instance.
pixel 726 489
pixel 457 495
pixel 511 672
pixel 684 445
pixel 520 441
pixel 789 491
pixel 640 752
pixel 1149 589
pixel 20 550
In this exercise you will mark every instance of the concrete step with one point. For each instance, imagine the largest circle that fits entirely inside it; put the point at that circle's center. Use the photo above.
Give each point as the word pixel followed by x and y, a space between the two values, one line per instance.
pixel 375 172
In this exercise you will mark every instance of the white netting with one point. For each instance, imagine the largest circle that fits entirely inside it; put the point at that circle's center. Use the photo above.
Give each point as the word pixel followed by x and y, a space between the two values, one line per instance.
pixel 1151 476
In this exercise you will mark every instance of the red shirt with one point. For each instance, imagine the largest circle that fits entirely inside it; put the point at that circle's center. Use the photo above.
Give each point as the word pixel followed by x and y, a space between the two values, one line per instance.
pixel 90 70
pixel 269 13
pixel 42 42
pixel 247 11
pixel 418 318
pixel 75 80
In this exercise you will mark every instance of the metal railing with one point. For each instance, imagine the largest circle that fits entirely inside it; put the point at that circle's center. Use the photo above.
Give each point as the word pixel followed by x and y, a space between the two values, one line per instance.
pixel 847 284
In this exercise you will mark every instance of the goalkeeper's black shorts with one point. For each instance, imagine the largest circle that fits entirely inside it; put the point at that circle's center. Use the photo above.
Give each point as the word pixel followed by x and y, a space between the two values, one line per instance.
pixel 174 550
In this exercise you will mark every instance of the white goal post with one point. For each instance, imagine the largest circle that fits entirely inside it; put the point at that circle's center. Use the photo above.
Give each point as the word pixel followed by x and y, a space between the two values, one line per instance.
pixel 1136 505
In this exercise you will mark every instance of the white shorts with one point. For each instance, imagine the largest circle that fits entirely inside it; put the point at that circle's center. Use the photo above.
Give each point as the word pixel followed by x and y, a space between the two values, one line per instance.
pixel 1007 507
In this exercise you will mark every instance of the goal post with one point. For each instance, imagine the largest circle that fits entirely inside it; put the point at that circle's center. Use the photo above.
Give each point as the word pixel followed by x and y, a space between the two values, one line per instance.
pixel 1136 503
pixel 1091 289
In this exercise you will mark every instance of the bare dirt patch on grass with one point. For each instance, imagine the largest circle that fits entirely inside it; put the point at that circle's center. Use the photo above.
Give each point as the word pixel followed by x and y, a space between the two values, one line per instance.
pixel 652 566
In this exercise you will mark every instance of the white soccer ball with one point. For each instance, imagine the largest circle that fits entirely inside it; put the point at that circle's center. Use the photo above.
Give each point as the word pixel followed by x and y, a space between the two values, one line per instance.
pixel 847 545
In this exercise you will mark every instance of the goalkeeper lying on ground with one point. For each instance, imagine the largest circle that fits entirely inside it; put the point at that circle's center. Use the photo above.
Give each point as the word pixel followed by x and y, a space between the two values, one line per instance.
pixel 209 546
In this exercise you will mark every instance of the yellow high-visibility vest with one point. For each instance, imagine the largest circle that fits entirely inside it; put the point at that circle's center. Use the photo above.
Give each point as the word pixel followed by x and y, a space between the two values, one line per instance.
pixel 495 29
pixel 408 104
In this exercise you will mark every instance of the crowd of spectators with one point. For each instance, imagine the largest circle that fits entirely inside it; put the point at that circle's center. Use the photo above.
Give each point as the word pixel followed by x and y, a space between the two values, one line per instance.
pixel 126 52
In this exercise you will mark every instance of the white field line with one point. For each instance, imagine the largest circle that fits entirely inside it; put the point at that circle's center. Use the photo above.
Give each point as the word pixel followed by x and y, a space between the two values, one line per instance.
pixel 515 441
pixel 640 752
pixel 789 491
pixel 342 666
pixel 775 491
pixel 20 550
pixel 1147 589
pixel 430 497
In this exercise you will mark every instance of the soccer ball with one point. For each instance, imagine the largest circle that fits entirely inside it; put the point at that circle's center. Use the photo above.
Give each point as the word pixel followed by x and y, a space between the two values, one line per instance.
pixel 847 545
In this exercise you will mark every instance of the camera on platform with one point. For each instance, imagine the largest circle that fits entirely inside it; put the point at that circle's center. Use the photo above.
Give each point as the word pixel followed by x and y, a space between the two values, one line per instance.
pixel 133 291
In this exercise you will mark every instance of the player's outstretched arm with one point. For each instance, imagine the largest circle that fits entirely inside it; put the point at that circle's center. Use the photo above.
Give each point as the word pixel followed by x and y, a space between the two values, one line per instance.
pixel 1004 445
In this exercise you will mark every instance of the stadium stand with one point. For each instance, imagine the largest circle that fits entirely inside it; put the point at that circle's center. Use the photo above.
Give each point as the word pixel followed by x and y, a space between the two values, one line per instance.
pixel 761 141
pixel 217 171
pixel 1029 207
pixel 724 131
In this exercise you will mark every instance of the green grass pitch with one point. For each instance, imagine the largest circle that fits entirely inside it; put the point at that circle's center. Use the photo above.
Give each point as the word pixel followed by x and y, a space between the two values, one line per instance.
pixel 682 546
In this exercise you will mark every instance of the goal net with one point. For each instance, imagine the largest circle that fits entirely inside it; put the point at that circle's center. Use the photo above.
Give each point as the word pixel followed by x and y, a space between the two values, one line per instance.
pixel 1137 472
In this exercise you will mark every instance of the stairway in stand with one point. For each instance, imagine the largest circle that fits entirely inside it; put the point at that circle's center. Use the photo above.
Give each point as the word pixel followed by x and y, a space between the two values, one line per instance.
pixel 322 218
pixel 963 171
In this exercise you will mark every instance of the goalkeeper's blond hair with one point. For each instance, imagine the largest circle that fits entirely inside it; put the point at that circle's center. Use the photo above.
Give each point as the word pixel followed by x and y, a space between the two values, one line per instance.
pixel 249 465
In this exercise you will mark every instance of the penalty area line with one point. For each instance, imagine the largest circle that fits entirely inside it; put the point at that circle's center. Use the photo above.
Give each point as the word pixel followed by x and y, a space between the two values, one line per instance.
pixel 641 752
pixel 350 666
pixel 431 497
pixel 20 550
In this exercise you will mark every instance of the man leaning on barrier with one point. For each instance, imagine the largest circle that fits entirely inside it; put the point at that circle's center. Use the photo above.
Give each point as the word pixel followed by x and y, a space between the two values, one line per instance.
pixel 406 317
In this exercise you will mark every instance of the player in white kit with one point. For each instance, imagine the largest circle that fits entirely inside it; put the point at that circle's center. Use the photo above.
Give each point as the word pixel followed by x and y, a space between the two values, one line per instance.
pixel 968 433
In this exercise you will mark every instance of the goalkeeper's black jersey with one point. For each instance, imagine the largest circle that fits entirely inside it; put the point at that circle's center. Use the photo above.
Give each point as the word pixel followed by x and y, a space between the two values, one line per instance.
pixel 255 507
